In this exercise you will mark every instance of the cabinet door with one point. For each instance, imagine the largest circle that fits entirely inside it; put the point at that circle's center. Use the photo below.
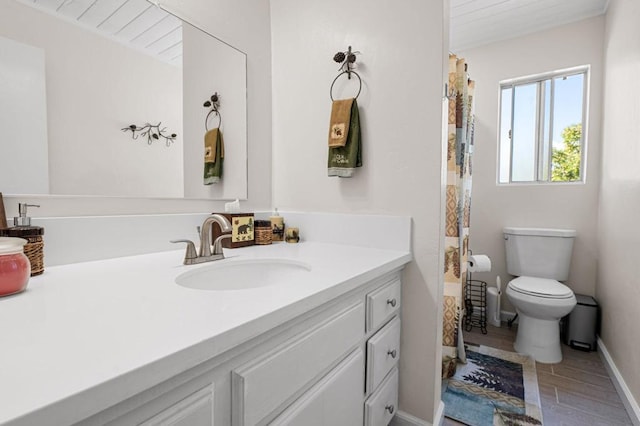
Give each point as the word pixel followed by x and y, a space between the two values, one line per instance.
pixel 336 400
pixel 262 386
pixel 194 410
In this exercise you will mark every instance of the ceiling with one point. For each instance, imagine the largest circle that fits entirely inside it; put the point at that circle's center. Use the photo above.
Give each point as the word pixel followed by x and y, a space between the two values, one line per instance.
pixel 478 22
pixel 138 24
pixel 142 25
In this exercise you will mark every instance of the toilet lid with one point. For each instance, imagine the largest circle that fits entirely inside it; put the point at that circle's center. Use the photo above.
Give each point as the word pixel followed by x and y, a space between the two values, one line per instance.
pixel 541 287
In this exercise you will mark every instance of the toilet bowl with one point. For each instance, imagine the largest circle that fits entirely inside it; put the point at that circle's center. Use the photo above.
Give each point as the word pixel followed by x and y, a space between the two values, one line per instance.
pixel 540 304
pixel 540 259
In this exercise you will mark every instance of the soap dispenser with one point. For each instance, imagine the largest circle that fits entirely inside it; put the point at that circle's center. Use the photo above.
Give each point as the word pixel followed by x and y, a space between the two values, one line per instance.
pixel 277 226
pixel 34 249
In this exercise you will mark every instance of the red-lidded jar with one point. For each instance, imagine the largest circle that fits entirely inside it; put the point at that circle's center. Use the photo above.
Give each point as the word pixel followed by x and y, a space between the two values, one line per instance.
pixel 15 268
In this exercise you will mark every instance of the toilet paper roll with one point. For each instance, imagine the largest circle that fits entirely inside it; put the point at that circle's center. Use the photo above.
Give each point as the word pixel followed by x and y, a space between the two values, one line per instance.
pixel 479 263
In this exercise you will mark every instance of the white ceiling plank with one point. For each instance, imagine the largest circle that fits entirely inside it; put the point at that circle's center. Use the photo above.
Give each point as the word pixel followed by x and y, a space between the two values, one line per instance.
pixel 164 26
pixel 498 24
pixel 474 7
pixel 49 4
pixel 163 43
pixel 72 9
pixel 171 51
pixel 502 12
pixel 100 11
pixel 478 22
pixel 123 15
pixel 535 20
pixel 142 23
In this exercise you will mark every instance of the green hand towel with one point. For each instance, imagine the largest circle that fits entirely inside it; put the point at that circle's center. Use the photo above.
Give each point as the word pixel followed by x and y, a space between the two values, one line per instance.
pixel 213 156
pixel 343 160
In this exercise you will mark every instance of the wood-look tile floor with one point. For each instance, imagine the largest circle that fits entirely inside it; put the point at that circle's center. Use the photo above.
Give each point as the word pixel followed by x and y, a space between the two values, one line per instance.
pixel 576 391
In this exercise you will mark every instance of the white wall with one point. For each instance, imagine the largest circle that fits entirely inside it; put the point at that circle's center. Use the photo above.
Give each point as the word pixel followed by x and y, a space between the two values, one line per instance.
pixel 244 24
pixel 23 119
pixel 573 206
pixel 401 66
pixel 617 288
pixel 95 87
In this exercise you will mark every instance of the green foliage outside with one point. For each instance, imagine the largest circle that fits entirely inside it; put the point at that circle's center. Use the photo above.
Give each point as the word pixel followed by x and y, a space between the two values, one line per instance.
pixel 565 162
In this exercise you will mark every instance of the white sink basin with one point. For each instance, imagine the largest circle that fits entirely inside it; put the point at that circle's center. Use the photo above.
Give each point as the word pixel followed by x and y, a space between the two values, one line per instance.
pixel 229 274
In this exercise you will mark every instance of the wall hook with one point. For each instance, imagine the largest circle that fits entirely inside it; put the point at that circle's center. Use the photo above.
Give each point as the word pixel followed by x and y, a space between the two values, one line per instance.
pixel 347 61
pixel 214 103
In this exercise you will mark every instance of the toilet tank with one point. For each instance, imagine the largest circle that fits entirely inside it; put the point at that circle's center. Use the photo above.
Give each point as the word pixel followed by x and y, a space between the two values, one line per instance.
pixel 539 252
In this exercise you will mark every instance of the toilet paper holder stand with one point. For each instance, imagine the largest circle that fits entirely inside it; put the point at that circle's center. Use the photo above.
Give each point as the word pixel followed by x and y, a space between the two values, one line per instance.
pixel 475 300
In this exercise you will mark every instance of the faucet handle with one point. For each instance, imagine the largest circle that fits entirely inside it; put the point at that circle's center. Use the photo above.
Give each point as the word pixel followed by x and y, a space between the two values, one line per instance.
pixel 191 250
pixel 217 245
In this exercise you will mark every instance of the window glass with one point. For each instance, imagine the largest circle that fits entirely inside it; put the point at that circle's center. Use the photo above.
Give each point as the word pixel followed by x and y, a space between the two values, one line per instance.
pixel 505 132
pixel 567 127
pixel 523 133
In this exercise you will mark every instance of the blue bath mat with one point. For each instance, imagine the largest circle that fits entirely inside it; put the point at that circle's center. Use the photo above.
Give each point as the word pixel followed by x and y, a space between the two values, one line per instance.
pixel 493 388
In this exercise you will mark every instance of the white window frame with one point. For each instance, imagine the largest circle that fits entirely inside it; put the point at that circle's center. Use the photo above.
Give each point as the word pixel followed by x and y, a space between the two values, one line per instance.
pixel 539 80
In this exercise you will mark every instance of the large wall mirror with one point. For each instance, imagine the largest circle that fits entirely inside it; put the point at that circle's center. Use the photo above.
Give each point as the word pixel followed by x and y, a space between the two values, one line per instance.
pixel 74 73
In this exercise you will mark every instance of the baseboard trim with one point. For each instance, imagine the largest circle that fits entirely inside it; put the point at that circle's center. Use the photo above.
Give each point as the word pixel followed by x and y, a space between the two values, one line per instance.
pixel 630 404
pixel 404 419
pixel 439 419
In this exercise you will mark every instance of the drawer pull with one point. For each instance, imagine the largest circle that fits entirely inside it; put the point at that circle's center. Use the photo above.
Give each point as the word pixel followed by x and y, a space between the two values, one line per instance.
pixel 393 353
pixel 392 302
pixel 390 409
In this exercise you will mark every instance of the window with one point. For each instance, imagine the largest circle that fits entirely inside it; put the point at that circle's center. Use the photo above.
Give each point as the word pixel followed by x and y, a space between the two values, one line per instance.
pixel 541 134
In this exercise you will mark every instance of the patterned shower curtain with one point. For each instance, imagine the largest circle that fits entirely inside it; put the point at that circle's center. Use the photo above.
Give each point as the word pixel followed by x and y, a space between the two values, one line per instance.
pixel 458 208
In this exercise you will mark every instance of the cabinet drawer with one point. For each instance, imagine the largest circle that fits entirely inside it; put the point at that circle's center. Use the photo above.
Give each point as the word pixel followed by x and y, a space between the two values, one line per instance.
pixel 260 387
pixel 335 400
pixel 383 352
pixel 382 304
pixel 382 405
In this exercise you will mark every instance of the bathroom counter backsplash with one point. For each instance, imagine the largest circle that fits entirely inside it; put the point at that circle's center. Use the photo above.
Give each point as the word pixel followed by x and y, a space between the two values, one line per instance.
pixel 85 329
pixel 87 238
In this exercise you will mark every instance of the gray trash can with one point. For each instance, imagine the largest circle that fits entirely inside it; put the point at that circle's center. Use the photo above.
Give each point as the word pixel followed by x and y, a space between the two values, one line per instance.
pixel 581 325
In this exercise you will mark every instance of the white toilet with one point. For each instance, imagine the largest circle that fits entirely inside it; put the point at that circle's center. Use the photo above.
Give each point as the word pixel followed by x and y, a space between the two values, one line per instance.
pixel 539 258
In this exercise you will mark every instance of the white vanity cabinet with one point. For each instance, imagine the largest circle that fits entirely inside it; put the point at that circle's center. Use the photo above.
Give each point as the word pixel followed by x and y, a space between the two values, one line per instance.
pixel 333 365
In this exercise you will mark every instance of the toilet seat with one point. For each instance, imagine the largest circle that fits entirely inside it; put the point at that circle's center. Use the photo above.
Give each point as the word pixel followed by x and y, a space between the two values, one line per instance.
pixel 541 287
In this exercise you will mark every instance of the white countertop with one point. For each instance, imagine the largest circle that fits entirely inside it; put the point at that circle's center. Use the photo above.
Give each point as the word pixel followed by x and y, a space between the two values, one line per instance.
pixel 88 335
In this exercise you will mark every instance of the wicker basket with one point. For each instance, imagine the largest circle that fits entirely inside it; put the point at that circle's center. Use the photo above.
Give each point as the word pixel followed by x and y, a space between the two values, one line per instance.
pixel 34 249
pixel 263 233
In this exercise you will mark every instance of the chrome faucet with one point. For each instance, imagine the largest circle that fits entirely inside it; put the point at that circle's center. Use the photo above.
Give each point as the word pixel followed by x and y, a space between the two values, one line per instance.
pixel 192 257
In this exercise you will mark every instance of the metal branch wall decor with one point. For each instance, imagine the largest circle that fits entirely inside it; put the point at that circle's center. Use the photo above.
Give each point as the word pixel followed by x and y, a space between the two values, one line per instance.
pixel 214 103
pixel 347 61
pixel 152 132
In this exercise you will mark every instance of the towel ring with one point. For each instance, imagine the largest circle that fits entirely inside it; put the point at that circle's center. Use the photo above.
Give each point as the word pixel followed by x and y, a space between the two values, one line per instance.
pixel 206 120
pixel 341 74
